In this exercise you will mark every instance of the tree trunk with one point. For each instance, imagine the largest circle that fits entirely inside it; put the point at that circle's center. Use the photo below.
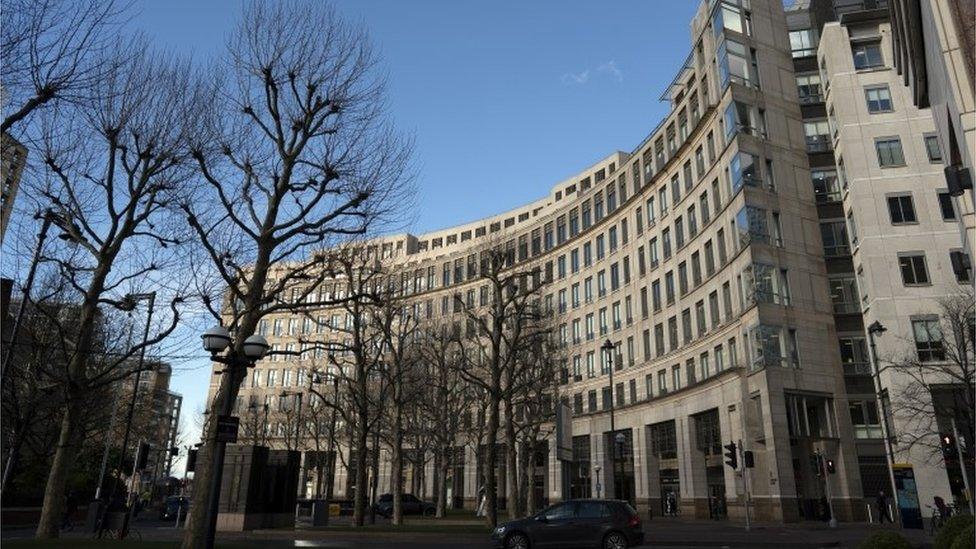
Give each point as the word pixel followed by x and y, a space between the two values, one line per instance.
pixel 396 476
pixel 491 486
pixel 440 483
pixel 528 474
pixel 49 526
pixel 359 502
pixel 511 464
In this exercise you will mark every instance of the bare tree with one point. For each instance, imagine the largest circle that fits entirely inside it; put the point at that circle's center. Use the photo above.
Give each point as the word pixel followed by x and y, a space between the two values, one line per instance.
pixel 53 51
pixel 496 327
pixel 397 327
pixel 444 403
pixel 111 167
pixel 936 384
pixel 298 158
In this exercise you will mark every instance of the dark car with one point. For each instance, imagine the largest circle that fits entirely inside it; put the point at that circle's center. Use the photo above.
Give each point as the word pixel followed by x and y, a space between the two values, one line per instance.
pixel 411 506
pixel 174 505
pixel 605 523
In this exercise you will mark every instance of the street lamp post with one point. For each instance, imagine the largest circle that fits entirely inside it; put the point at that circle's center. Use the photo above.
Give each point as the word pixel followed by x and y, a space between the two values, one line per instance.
pixel 877 329
pixel 216 340
pixel 616 438
pixel 129 303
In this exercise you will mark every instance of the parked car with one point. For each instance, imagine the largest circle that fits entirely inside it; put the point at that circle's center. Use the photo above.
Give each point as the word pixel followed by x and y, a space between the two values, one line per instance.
pixel 604 523
pixel 172 505
pixel 411 506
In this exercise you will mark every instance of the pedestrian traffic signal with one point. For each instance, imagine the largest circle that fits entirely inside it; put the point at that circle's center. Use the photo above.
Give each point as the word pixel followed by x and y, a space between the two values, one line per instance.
pixel 748 459
pixel 829 465
pixel 731 457
pixel 191 460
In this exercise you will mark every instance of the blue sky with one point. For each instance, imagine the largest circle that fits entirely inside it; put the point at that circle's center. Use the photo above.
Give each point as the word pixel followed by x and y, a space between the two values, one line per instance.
pixel 504 99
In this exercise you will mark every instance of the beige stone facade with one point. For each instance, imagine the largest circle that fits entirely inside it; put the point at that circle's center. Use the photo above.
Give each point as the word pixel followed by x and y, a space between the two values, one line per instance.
pixel 699 255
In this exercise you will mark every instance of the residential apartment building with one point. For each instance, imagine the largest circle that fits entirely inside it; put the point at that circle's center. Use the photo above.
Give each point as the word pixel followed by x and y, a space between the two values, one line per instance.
pixel 934 43
pixel 698 254
pixel 889 223
pixel 13 157
pixel 717 258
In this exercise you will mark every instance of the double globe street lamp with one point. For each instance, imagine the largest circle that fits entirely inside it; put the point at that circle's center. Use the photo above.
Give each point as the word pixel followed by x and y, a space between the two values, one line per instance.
pixel 217 340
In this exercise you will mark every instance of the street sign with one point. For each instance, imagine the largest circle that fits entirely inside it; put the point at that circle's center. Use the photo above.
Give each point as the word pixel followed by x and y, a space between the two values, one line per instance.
pixel 227 428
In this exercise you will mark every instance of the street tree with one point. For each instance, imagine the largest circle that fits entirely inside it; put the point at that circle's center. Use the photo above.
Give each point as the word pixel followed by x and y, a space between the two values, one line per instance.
pixel 934 382
pixel 495 325
pixel 112 165
pixel 298 158
pixel 55 52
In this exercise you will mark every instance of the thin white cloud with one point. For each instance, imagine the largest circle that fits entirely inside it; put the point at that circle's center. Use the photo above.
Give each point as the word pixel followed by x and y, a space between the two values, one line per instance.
pixel 576 78
pixel 580 78
pixel 611 68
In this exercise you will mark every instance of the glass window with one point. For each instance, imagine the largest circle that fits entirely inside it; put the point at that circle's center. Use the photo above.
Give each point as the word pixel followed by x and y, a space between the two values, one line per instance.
pixel 835 241
pixel 928 339
pixel 867 54
pixel 731 16
pixel 947 206
pixel 902 209
pixel 932 148
pixel 913 271
pixel 744 170
pixel 844 294
pixel 889 152
pixel 826 186
pixel 737 63
pixel 879 99
pixel 865 419
pixel 803 43
pixel 818 136
pixel 809 88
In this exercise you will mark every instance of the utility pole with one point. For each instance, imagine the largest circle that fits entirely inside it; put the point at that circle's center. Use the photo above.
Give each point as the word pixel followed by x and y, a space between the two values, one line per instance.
pixel 962 464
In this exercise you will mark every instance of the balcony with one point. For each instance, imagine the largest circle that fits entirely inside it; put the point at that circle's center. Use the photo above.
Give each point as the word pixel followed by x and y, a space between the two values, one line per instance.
pixel 819 143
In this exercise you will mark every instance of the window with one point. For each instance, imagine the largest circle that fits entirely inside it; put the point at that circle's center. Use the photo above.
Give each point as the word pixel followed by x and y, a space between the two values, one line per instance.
pixel 803 43
pixel 879 99
pixel 731 15
pixel 865 419
pixel 867 54
pixel 913 271
pixel 947 206
pixel 737 63
pixel 744 170
pixel 844 294
pixel 809 88
pixel 928 339
pixel 834 235
pixel 932 148
pixel 902 209
pixel 826 187
pixel 889 152
pixel 818 136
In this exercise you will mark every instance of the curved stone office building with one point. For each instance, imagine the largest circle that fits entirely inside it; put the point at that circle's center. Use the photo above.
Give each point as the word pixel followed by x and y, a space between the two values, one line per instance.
pixel 699 255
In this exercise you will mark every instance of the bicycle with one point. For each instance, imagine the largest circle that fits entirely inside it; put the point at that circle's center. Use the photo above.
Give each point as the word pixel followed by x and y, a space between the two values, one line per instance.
pixel 939 519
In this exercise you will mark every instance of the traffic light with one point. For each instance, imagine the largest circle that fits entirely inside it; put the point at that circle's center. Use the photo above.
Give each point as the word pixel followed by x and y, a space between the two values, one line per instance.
pixel 749 459
pixel 948 445
pixel 191 460
pixel 731 456
pixel 829 465
pixel 142 458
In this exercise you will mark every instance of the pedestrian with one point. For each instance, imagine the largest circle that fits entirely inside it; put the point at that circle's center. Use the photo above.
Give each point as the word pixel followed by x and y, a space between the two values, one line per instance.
pixel 70 507
pixel 882 502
